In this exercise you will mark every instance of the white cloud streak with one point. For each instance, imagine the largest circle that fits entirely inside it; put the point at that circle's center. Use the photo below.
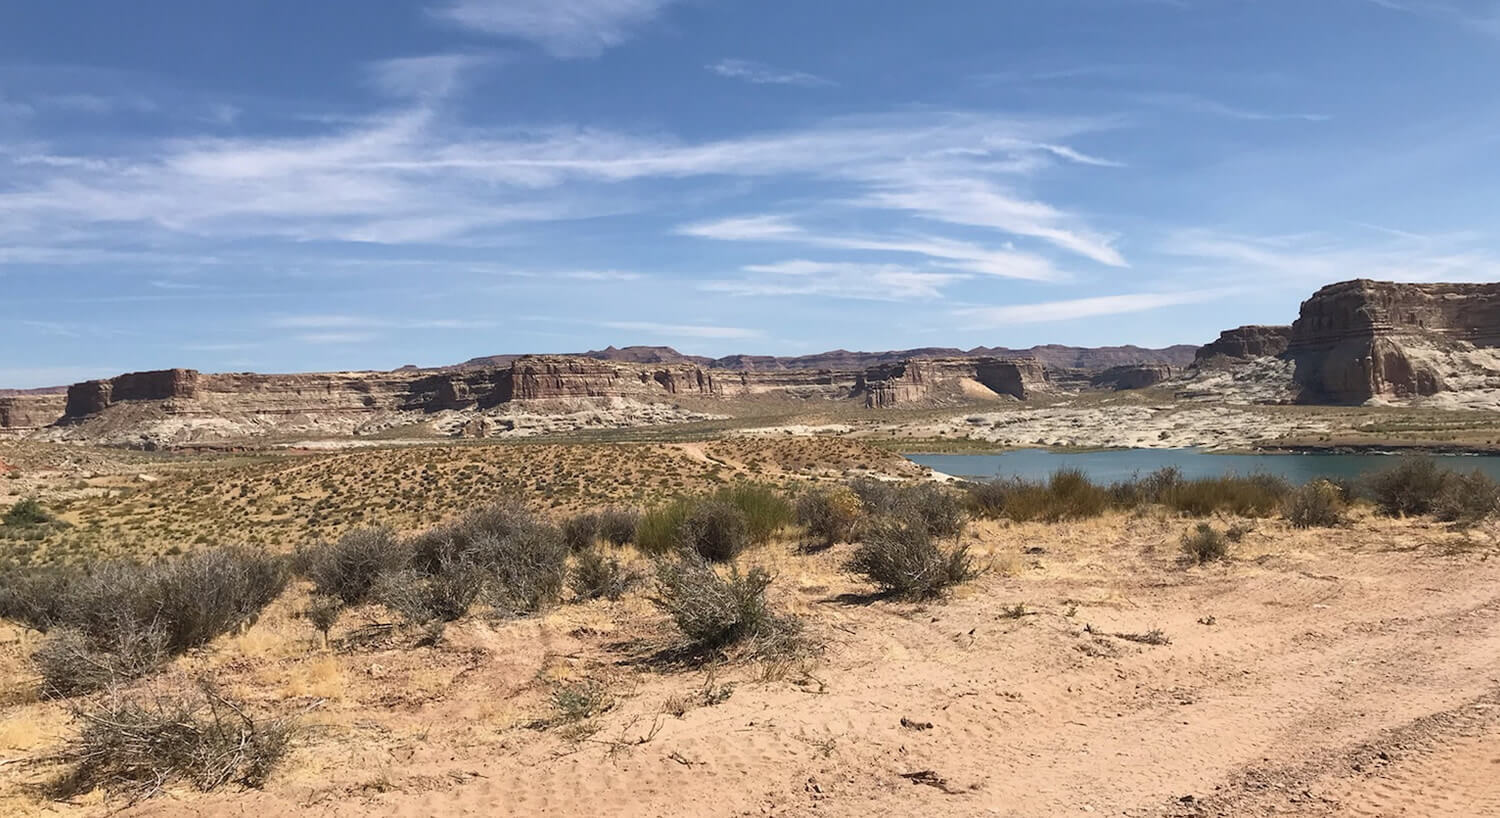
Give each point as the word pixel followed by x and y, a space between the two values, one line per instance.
pixel 760 74
pixel 1313 260
pixel 959 255
pixel 563 28
pixel 1073 309
pixel 428 77
pixel 872 282
pixel 1192 103
pixel 405 177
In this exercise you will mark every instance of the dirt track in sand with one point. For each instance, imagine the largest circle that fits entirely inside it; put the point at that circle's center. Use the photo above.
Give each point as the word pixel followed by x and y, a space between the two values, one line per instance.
pixel 1354 672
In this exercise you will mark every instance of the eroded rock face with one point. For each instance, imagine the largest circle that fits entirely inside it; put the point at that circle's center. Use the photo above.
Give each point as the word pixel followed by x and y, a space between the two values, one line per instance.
pixel 553 377
pixel 894 384
pixel 1132 377
pixel 93 397
pixel 1362 339
pixel 1247 342
pixel 31 411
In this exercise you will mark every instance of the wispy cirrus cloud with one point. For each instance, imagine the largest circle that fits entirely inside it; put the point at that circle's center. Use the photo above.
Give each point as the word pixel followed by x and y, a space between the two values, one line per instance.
pixel 403 177
pixel 684 330
pixel 563 28
pixel 1193 103
pixel 871 282
pixel 1076 308
pixel 1482 17
pixel 957 255
pixel 1313 259
pixel 432 76
pixel 761 74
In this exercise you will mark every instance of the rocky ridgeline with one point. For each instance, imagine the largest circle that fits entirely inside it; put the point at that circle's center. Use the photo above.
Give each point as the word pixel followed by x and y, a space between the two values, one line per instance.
pixel 187 407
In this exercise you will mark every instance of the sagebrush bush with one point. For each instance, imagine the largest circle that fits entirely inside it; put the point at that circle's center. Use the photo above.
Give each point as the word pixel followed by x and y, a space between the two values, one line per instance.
pixel 137 746
pixel 581 531
pixel 830 515
pixel 426 598
pixel 714 611
pixel 1409 488
pixel 598 575
pixel 524 570
pixel 1466 499
pixel 71 663
pixel 716 531
pixel 617 525
pixel 660 529
pixel 26 511
pixel 347 569
pixel 127 618
pixel 517 560
pixel 1205 544
pixel 1317 504
pixel 935 508
pixel 764 509
pixel 901 558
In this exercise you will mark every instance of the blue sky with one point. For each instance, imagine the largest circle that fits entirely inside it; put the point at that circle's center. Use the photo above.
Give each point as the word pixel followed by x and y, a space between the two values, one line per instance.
pixel 285 186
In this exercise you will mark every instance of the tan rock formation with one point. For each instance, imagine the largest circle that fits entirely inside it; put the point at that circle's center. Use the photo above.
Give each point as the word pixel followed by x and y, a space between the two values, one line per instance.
pixel 1363 339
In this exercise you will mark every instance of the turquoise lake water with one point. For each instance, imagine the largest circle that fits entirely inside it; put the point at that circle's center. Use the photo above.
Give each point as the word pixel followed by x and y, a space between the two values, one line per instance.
pixel 1121 464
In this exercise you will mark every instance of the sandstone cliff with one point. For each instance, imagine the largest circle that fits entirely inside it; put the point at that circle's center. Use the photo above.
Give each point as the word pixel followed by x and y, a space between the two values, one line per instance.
pixel 1360 340
pixel 912 381
pixel 1138 376
pixel 31 411
pixel 1246 342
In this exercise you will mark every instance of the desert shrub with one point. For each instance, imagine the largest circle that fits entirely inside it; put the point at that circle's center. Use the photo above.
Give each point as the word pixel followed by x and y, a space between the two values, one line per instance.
pixel 1073 496
pixel 660 529
pixel 714 611
pixel 617 525
pixel 1256 495
pixel 322 613
pixel 933 507
pixel 939 510
pixel 203 595
pixel 501 520
pixel 26 511
pixel 902 559
pixel 135 746
pixel 715 530
pixel 1068 494
pixel 597 575
pixel 425 598
pixel 1410 487
pixel 71 663
pixel 33 596
pixel 1317 504
pixel 765 510
pixel 1466 499
pixel 347 569
pixel 830 515
pixel 126 618
pixel 515 560
pixel 1205 544
pixel 523 571
pixel 580 531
